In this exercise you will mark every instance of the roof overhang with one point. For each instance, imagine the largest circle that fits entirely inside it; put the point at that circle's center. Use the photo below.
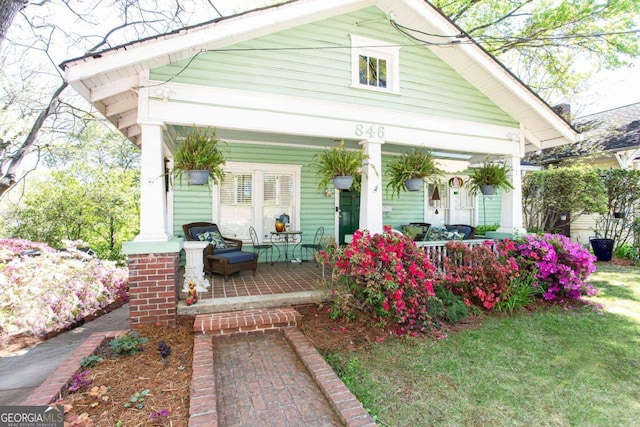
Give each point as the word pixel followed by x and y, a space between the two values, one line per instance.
pixel 110 79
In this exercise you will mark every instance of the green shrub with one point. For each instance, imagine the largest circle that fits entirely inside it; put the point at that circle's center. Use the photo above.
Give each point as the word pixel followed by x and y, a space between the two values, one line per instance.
pixel 454 309
pixel 127 344
pixel 627 252
pixel 520 293
pixel 482 229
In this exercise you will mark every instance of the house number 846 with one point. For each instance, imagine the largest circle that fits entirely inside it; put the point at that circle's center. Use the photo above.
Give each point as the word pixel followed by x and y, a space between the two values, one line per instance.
pixel 372 131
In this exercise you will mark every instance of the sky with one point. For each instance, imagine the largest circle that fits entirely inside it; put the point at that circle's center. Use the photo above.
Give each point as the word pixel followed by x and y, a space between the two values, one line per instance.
pixel 611 89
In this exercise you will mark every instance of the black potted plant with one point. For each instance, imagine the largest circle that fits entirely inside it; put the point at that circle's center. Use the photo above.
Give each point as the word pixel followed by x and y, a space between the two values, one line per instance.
pixel 408 171
pixel 602 245
pixel 340 166
pixel 488 178
pixel 199 158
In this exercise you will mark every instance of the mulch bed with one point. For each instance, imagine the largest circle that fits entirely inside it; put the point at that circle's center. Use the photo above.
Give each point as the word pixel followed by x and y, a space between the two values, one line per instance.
pixel 117 378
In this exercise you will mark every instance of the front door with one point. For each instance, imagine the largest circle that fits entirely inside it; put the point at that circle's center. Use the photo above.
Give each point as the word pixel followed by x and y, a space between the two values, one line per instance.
pixel 348 214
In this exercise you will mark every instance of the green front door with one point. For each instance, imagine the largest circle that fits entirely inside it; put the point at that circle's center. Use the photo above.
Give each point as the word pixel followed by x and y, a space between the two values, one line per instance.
pixel 349 213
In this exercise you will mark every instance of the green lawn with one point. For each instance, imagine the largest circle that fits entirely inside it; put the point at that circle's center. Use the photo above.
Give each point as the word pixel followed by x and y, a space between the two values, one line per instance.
pixel 557 367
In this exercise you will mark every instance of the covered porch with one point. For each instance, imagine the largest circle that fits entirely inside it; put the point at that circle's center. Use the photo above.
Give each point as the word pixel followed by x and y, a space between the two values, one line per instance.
pixel 277 285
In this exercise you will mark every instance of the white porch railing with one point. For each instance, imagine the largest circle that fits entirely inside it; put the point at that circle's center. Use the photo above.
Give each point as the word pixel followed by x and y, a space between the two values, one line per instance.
pixel 436 250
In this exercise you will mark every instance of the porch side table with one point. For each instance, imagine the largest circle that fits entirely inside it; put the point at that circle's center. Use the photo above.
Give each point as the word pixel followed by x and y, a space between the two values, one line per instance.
pixel 194 268
pixel 286 237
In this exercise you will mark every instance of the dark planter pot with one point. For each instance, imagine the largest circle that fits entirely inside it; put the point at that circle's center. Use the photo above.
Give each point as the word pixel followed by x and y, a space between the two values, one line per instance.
pixel 618 215
pixel 343 182
pixel 602 248
pixel 488 190
pixel 414 184
pixel 197 177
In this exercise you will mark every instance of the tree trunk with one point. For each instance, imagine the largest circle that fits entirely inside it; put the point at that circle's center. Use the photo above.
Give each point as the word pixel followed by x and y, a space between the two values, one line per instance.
pixel 8 179
pixel 8 11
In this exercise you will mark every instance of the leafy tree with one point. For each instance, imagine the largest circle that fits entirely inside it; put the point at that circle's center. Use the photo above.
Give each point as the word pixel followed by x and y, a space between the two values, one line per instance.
pixel 547 194
pixel 623 196
pixel 34 103
pixel 539 40
pixel 92 196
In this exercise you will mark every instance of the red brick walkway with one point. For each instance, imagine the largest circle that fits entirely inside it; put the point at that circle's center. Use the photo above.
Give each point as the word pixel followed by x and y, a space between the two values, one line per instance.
pixel 261 382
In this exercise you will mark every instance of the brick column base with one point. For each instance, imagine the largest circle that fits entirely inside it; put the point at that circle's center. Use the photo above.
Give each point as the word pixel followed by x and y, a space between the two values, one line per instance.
pixel 153 289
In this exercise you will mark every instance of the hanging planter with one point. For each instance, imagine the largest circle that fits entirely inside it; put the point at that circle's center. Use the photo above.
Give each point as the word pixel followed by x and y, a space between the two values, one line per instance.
pixel 489 175
pixel 409 170
pixel 198 157
pixel 197 177
pixel 488 190
pixel 414 184
pixel 339 165
pixel 343 182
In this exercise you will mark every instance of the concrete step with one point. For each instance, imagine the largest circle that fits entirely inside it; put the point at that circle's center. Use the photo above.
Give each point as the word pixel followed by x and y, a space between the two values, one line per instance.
pixel 255 321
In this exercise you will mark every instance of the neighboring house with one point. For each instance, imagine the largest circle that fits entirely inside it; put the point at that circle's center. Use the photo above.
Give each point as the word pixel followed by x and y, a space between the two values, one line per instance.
pixel 281 83
pixel 610 140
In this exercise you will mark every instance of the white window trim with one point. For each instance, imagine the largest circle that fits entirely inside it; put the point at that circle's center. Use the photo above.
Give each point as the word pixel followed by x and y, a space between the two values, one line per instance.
pixel 377 49
pixel 257 170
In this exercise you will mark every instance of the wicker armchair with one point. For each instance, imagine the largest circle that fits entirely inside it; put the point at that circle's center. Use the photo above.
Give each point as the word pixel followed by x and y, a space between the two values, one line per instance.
pixel 216 258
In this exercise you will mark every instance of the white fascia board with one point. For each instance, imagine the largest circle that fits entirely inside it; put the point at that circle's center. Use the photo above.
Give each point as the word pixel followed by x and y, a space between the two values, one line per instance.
pixel 490 66
pixel 290 115
pixel 299 106
pixel 213 36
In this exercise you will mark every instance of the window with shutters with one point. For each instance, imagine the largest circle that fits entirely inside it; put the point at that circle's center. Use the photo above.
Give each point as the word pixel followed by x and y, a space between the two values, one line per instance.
pixel 253 195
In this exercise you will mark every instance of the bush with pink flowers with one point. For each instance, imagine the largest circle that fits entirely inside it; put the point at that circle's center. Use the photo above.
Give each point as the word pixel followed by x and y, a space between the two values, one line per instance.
pixel 44 290
pixel 479 274
pixel 384 276
pixel 562 266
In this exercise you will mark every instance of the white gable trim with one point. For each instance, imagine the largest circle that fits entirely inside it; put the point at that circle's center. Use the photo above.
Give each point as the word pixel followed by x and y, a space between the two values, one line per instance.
pixel 186 43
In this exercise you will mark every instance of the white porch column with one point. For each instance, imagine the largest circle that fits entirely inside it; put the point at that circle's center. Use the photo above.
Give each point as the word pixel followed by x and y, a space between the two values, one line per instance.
pixel 153 208
pixel 371 194
pixel 194 268
pixel 511 216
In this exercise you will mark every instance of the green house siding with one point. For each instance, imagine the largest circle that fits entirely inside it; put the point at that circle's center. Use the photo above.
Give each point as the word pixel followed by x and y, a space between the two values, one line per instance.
pixel 194 203
pixel 314 61
pixel 405 208
pixel 489 208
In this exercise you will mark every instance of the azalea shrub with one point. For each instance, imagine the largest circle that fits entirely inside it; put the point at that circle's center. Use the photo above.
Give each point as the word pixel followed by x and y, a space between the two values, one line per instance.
pixel 562 266
pixel 480 275
pixel 385 277
pixel 43 290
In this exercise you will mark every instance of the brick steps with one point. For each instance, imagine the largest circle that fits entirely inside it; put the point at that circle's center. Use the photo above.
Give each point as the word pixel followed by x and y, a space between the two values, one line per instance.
pixel 257 321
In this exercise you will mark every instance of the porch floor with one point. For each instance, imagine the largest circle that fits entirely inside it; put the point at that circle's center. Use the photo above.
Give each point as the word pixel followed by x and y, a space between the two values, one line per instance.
pixel 275 285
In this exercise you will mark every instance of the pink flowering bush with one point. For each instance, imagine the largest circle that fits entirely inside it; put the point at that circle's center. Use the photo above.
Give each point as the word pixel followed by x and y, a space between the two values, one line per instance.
pixel 480 275
pixel 49 290
pixel 385 277
pixel 562 265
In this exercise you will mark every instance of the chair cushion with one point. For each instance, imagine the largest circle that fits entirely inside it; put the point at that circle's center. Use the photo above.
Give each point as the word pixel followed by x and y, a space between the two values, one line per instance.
pixel 441 233
pixel 209 234
pixel 226 250
pixel 464 230
pixel 236 256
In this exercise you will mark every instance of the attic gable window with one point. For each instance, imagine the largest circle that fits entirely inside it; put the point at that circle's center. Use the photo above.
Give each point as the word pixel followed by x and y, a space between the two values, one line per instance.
pixel 375 65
